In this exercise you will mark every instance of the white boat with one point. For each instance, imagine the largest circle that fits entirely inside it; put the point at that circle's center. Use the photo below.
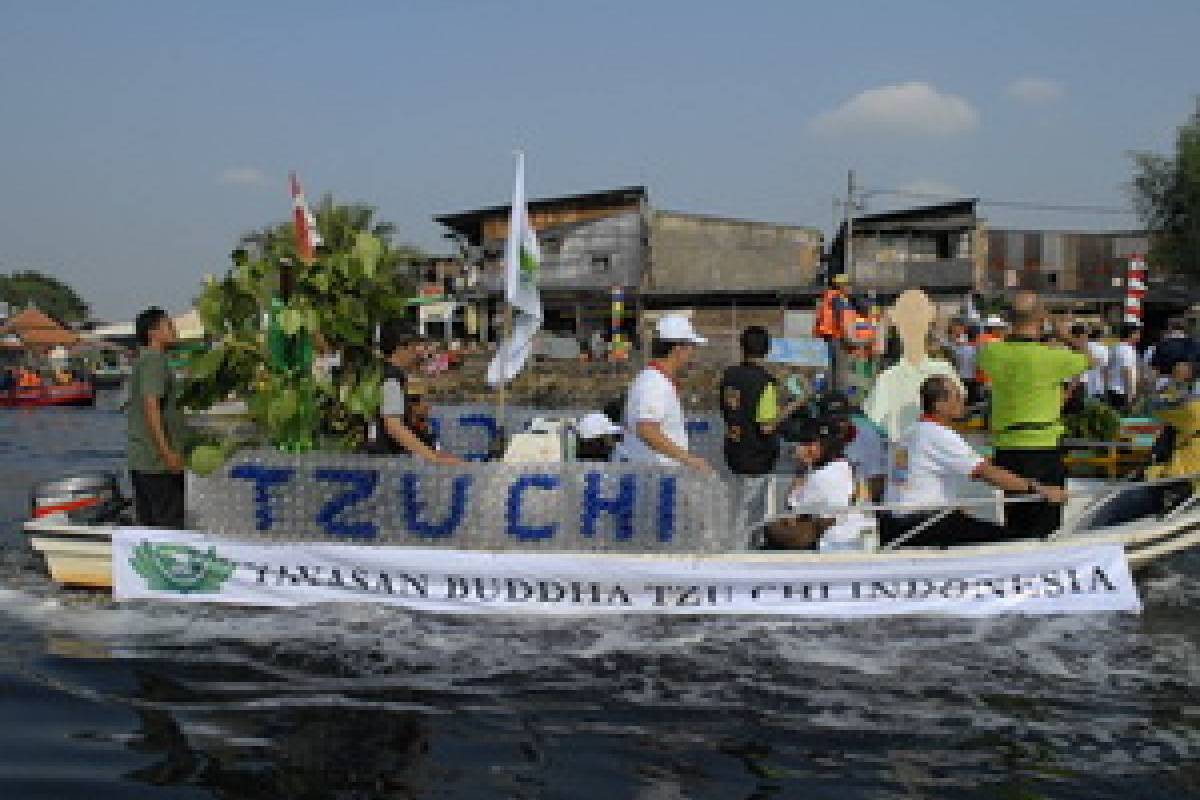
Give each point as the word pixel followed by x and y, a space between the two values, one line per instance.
pixel 82 554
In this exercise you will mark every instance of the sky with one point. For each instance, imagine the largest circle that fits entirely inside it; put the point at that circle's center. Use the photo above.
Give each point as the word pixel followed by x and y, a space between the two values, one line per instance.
pixel 138 140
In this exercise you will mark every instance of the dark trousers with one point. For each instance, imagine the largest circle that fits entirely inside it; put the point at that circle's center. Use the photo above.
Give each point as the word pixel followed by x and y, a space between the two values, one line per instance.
pixel 158 499
pixel 1044 465
pixel 1117 400
pixel 952 529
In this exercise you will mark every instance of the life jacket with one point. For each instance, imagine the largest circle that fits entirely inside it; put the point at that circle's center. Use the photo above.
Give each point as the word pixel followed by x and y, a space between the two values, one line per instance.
pixel 827 325
pixel 748 450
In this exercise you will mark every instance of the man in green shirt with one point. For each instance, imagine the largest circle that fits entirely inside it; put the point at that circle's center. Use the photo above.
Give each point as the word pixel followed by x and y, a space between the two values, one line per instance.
pixel 1027 380
pixel 155 426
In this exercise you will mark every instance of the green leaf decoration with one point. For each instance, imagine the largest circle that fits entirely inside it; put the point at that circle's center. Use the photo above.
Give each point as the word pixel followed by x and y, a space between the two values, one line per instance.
pixel 358 281
pixel 367 249
pixel 206 364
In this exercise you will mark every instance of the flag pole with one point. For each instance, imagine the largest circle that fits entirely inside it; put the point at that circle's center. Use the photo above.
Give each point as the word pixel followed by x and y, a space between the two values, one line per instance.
pixel 506 329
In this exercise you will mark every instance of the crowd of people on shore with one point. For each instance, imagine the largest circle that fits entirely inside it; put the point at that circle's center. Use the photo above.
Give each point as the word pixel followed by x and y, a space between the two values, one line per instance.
pixel 898 442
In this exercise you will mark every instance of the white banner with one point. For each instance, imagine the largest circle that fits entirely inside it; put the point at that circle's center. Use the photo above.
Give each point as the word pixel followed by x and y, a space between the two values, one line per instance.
pixel 191 567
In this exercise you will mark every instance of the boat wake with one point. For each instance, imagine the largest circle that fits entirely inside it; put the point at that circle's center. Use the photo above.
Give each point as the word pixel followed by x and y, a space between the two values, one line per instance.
pixel 1104 691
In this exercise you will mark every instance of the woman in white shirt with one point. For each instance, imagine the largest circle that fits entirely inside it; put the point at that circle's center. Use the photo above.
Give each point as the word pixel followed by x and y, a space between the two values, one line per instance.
pixel 827 484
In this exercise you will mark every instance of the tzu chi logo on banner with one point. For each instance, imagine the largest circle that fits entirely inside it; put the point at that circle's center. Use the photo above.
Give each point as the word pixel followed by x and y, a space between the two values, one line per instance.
pixel 179 568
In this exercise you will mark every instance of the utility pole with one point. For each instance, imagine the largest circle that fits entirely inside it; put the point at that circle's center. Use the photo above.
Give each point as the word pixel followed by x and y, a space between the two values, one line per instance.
pixel 848 248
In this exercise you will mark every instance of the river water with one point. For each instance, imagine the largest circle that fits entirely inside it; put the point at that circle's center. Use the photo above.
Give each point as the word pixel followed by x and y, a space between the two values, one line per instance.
pixel 100 700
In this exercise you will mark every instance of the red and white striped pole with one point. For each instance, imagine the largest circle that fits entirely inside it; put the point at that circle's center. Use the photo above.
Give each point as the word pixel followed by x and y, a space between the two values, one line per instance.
pixel 1135 289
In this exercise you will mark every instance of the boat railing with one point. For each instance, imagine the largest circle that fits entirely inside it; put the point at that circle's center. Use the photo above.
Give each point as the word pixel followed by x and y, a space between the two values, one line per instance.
pixel 1079 521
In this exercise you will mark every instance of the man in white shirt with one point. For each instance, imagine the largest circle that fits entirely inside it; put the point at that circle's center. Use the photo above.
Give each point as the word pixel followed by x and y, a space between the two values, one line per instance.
pixel 655 428
pixel 1095 380
pixel 1123 369
pixel 936 465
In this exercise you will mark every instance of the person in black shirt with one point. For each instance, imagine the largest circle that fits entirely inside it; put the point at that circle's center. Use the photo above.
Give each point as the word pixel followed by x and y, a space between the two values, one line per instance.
pixel 1176 347
pixel 750 408
pixel 392 432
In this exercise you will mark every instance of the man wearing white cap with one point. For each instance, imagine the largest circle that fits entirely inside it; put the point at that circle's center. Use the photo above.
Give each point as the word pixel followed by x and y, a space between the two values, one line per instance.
pixel 655 431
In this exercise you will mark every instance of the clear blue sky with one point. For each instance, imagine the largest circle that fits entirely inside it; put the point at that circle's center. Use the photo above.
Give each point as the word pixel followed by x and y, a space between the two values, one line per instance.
pixel 139 139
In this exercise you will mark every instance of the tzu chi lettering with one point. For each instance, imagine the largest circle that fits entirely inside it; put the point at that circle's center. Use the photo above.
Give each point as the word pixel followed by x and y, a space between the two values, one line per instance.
pixel 356 504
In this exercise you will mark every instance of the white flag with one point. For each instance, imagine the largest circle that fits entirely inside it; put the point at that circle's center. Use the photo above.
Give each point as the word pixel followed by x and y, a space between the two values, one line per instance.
pixel 522 262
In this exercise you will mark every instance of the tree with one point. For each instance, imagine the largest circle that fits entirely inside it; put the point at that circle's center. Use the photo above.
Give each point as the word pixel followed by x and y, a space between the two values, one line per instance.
pixel 49 294
pixel 357 280
pixel 1166 194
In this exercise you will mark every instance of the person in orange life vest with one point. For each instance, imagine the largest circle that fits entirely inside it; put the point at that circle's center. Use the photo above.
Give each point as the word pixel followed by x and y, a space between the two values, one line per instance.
pixel 28 379
pixel 834 319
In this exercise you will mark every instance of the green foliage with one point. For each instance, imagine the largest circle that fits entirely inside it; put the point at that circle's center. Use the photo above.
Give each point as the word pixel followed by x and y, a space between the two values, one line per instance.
pixel 1097 422
pixel 46 292
pixel 1166 193
pixel 357 281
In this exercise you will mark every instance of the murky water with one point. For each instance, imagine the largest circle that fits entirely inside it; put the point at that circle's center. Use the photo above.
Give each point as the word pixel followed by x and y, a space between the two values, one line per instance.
pixel 100 700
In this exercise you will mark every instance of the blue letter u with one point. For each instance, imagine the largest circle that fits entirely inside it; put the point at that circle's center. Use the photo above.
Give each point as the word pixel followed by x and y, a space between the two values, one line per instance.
pixel 412 508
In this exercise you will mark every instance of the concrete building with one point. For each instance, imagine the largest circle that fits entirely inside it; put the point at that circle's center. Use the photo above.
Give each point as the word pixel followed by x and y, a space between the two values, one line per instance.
pixel 662 260
pixel 590 243
pixel 729 273
pixel 940 248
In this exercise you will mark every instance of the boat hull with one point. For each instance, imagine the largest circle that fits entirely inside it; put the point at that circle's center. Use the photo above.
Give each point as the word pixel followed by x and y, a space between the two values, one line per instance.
pixel 81 556
pixel 77 394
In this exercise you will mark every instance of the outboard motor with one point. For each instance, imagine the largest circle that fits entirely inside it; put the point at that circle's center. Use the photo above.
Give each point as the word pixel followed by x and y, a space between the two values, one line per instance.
pixel 83 498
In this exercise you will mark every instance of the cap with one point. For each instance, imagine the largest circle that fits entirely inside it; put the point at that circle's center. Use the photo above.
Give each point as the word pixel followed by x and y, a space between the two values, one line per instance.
pixel 676 328
pixel 800 428
pixel 834 404
pixel 595 425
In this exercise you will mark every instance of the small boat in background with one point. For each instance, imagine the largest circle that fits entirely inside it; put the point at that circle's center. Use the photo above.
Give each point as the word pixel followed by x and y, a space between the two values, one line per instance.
pixel 77 392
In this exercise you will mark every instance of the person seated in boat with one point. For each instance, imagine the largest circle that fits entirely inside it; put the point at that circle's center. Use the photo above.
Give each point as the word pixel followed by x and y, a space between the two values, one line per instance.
pixel 865 448
pixel 826 482
pixel 930 468
pixel 392 432
pixel 598 436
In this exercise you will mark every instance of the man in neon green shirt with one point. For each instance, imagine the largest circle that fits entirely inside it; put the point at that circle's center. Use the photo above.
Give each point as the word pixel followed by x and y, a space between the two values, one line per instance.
pixel 1027 380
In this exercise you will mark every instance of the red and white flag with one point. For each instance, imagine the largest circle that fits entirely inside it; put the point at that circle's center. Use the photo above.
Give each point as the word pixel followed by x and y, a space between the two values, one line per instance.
pixel 307 236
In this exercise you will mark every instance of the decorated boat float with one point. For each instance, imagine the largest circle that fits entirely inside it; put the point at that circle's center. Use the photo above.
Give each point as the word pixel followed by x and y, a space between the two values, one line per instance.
pixel 554 537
